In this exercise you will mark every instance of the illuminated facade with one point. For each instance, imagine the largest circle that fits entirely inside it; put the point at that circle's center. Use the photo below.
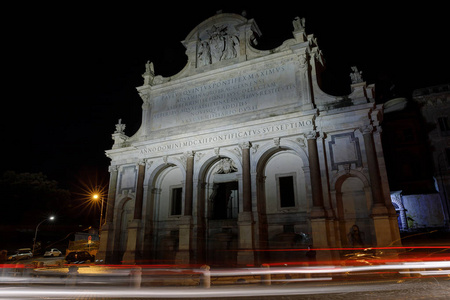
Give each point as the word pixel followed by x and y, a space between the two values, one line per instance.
pixel 242 150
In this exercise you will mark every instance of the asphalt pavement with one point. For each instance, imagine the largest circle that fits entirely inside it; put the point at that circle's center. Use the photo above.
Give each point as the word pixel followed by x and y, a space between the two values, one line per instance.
pixel 412 289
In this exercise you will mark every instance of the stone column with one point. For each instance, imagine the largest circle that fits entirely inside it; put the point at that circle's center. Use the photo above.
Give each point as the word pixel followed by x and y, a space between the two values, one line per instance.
pixel 146 112
pixel 132 254
pixel 303 81
pixel 246 179
pixel 320 232
pixel 189 183
pixel 331 220
pixel 183 255
pixel 139 191
pixel 316 181
pixel 372 163
pixel 380 216
pixel 105 251
pixel 245 218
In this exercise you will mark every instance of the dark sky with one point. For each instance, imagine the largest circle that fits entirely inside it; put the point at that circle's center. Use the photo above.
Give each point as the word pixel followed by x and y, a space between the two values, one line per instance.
pixel 71 71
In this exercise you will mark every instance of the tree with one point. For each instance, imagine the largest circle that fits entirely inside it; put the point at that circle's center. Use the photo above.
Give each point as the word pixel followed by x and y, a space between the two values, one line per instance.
pixel 28 197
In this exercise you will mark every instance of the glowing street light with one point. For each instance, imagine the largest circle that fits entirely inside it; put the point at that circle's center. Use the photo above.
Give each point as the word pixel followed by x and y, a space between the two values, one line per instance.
pixel 51 218
pixel 96 197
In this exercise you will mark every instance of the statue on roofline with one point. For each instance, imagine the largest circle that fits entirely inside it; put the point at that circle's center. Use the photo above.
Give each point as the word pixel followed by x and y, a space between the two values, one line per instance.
pixel 299 24
pixel 356 76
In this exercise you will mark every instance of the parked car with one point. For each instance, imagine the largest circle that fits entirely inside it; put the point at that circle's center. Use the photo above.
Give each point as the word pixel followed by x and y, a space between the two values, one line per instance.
pixel 23 253
pixel 79 257
pixel 52 252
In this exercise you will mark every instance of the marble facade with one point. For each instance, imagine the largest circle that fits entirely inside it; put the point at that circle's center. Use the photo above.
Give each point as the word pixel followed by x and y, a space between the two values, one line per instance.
pixel 243 151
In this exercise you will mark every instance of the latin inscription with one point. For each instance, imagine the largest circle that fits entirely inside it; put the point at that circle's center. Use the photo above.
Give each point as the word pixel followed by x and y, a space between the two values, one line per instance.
pixel 226 137
pixel 271 87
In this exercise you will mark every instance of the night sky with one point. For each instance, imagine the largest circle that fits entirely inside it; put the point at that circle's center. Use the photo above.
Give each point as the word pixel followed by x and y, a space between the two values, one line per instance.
pixel 71 71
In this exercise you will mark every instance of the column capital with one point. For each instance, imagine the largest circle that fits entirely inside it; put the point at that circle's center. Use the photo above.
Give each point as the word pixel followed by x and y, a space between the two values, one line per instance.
pixel 322 135
pixel 113 168
pixel 304 60
pixel 146 105
pixel 245 145
pixel 189 153
pixel 366 129
pixel 312 135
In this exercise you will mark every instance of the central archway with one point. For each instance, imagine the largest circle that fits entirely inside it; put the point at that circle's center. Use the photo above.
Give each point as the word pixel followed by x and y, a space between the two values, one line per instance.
pixel 221 206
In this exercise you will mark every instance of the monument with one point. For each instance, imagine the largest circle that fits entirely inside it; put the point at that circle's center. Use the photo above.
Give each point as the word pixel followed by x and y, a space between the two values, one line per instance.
pixel 243 151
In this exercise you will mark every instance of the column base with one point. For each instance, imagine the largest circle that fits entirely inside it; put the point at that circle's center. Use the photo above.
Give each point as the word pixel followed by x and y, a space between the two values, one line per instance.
pixel 245 223
pixel 245 258
pixel 319 232
pixel 131 255
pixel 105 252
pixel 317 212
pixel 245 255
pixel 379 209
pixel 183 255
pixel 382 228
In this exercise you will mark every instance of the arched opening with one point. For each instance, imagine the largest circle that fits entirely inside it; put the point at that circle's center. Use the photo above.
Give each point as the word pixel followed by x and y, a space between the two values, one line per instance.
pixel 222 206
pixel 168 208
pixel 126 214
pixel 225 200
pixel 282 186
pixel 353 209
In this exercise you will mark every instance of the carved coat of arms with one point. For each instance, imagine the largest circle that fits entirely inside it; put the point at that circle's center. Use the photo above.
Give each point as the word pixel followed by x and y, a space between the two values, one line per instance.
pixel 220 46
pixel 226 166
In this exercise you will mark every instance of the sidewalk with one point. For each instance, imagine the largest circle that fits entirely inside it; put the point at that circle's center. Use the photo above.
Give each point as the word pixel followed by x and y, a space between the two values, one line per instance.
pixel 430 237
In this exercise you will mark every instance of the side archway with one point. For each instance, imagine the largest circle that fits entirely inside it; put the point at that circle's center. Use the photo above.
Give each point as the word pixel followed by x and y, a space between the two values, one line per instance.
pixel 124 215
pixel 353 203
pixel 282 197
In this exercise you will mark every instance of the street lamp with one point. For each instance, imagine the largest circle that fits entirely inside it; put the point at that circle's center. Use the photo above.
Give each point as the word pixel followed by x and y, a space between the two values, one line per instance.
pixel 51 218
pixel 96 197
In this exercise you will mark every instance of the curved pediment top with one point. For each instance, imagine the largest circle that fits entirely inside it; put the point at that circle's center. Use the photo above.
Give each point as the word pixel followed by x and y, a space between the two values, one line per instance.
pixel 202 30
pixel 219 40
pixel 223 40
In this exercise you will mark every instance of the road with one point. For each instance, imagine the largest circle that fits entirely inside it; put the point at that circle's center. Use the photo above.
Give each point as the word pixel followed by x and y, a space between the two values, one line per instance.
pixel 40 258
pixel 424 280
pixel 418 288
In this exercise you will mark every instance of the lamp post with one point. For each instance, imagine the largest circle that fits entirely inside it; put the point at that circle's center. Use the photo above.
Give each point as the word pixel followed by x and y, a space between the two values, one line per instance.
pixel 96 196
pixel 51 218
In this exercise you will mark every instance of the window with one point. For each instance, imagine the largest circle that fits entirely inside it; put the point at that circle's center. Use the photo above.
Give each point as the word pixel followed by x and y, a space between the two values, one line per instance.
pixel 176 201
pixel 286 191
pixel 225 200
